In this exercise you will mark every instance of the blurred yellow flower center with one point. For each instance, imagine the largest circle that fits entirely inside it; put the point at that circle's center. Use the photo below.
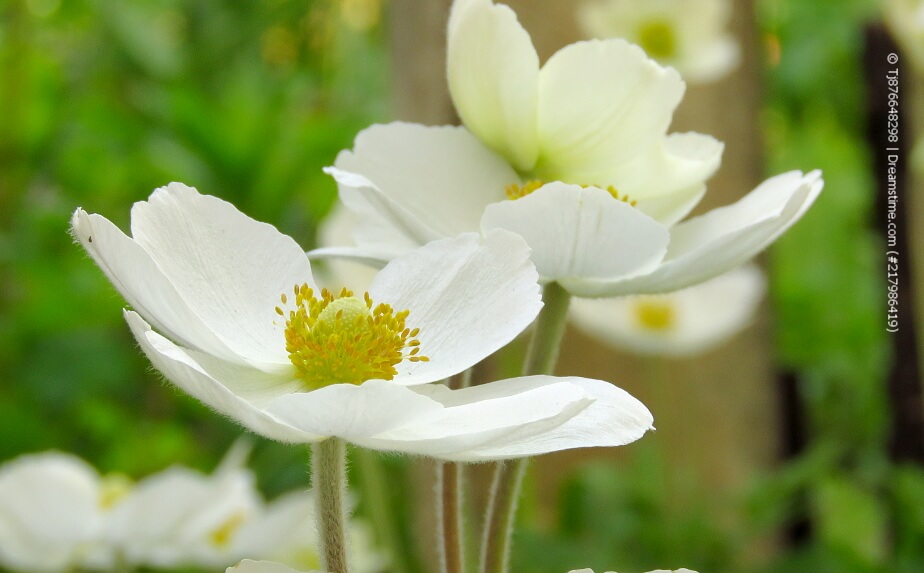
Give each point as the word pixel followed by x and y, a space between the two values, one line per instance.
pixel 338 339
pixel 516 191
pixel 658 38
pixel 657 314
pixel 112 489
pixel 221 536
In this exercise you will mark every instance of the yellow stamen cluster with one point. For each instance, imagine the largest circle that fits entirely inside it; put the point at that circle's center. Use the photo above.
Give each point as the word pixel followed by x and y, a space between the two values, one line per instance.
pixel 659 39
pixel 517 191
pixel 655 314
pixel 343 339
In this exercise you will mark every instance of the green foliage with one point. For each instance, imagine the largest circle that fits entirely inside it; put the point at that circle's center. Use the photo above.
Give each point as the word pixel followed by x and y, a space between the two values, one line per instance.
pixel 105 101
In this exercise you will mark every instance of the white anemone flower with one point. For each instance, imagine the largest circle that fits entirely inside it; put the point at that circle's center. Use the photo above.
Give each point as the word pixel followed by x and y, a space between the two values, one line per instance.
pixel 683 323
pixel 689 35
pixel 572 157
pixel 52 509
pixel 251 566
pixel 182 517
pixel 228 310
pixel 285 532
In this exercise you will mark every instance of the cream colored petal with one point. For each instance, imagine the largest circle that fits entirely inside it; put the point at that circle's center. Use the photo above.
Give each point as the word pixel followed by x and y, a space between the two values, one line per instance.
pixel 602 104
pixel 493 73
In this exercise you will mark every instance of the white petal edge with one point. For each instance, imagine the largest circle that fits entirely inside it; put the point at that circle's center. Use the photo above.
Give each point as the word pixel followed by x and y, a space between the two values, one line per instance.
pixel 493 73
pixel 229 268
pixel 434 421
pixel 143 285
pixel 443 176
pixel 383 226
pixel 578 233
pixel 469 296
pixel 613 418
pixel 183 370
pixel 713 243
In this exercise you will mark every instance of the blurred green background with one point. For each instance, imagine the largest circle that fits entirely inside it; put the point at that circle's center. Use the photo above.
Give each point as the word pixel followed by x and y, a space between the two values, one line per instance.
pixel 101 102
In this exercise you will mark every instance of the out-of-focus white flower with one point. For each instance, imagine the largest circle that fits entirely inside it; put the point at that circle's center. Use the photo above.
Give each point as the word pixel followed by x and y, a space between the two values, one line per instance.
pixel 183 517
pixel 297 365
pixel 573 157
pixel 682 323
pixel 52 508
pixel 285 532
pixel 689 35
pixel 251 566
pixel 905 19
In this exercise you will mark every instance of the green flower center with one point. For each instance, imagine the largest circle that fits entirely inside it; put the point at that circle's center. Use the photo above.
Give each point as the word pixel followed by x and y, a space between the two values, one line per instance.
pixel 659 39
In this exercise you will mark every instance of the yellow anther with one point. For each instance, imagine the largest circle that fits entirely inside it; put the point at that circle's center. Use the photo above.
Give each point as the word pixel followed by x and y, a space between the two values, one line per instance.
pixel 344 339
pixel 656 314
pixel 517 191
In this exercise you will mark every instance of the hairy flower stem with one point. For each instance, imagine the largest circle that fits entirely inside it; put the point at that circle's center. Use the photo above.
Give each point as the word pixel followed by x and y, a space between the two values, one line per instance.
pixel 541 357
pixel 328 473
pixel 451 491
pixel 450 517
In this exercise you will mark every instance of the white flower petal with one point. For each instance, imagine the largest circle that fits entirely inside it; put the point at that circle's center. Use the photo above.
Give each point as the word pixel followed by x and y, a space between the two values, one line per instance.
pixel 442 176
pixel 677 163
pixel 708 245
pixel 337 229
pixel 601 104
pixel 711 61
pixel 143 285
pixel 669 209
pixel 286 527
pixel 462 423
pixel 229 268
pixel 702 316
pixel 575 233
pixel 250 566
pixel 169 518
pixel 50 512
pixel 352 412
pixel 614 418
pixel 493 73
pixel 384 226
pixel 469 296
pixel 233 390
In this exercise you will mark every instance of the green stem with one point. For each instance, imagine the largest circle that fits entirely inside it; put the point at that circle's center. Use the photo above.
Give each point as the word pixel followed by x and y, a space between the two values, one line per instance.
pixel 541 357
pixel 328 473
